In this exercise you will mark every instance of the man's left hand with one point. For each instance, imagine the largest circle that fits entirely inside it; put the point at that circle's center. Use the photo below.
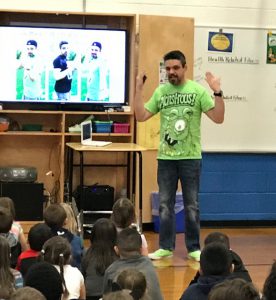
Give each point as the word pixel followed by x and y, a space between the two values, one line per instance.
pixel 214 82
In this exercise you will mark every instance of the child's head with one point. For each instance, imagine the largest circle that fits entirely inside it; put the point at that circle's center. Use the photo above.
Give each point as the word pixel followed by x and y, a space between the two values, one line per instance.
pixel 38 235
pixel 103 233
pixel 8 203
pixel 44 277
pixel 70 223
pixel 118 295
pixel 129 243
pixel 57 251
pixel 133 280
pixel 217 237
pixel 215 259
pixel 55 216
pixel 6 220
pixel 123 213
pixel 27 293
pixel 235 289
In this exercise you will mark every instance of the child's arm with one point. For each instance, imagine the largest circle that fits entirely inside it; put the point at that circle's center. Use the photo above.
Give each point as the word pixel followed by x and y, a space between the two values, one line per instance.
pixel 144 249
pixel 23 241
pixel 82 292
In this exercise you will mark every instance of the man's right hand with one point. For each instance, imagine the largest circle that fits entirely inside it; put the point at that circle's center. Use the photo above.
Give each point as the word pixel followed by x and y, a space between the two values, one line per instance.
pixel 139 81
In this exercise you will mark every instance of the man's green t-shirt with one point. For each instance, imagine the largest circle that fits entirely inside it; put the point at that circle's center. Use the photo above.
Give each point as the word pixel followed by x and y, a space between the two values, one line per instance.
pixel 180 110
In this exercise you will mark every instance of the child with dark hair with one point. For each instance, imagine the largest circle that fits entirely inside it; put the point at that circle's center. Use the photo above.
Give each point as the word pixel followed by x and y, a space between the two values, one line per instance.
pixel 134 281
pixel 45 278
pixel 123 216
pixel 236 289
pixel 99 256
pixel 5 227
pixel 38 235
pixel 55 217
pixel 215 267
pixel 27 293
pixel 128 246
pixel 16 228
pixel 269 289
pixel 10 279
pixel 239 270
pixel 57 251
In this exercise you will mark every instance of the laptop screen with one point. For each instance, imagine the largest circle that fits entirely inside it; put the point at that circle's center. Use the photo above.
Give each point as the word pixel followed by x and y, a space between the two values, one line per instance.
pixel 86 130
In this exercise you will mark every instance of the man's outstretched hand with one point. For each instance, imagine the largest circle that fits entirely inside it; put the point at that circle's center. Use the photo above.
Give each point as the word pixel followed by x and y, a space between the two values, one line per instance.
pixel 214 82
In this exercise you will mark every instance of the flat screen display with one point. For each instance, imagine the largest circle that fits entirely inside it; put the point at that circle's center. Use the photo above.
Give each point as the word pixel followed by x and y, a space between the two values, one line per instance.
pixel 62 65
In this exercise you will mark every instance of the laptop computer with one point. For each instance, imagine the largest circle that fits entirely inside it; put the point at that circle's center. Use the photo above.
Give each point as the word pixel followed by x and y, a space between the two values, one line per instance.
pixel 86 136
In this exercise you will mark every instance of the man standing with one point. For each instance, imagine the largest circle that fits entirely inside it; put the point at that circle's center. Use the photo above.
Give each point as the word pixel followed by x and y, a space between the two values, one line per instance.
pixel 63 73
pixel 180 102
pixel 32 72
pixel 98 75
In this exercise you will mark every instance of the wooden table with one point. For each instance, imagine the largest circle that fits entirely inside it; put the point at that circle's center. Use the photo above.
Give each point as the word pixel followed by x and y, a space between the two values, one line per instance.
pixel 129 148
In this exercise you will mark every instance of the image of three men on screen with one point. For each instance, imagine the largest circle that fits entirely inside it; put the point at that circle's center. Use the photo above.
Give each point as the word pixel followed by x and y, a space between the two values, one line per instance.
pixel 88 74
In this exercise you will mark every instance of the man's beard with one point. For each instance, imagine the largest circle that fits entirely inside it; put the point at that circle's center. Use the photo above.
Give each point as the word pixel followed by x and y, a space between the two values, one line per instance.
pixel 174 80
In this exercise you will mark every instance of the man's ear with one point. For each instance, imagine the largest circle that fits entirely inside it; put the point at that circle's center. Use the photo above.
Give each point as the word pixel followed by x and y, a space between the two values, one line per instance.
pixel 232 268
pixel 65 222
pixel 117 250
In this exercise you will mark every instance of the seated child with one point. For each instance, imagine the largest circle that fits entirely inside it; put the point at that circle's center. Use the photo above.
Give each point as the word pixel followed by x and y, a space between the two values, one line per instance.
pixel 45 278
pixel 10 279
pixel 99 256
pixel 57 251
pixel 215 267
pixel 128 246
pixel 38 235
pixel 55 217
pixel 16 228
pixel 123 216
pixel 5 227
pixel 239 269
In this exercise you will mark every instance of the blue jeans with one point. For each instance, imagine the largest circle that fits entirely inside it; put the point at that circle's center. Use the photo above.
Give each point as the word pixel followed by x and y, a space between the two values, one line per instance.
pixel 168 174
pixel 63 96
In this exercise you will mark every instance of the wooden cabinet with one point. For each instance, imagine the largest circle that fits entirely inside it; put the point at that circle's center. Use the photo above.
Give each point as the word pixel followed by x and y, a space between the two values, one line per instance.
pixel 46 149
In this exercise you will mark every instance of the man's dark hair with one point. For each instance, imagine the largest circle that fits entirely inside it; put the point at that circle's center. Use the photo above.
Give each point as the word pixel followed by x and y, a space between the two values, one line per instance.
pixel 215 259
pixel 55 216
pixel 38 235
pixel 129 242
pixel 63 43
pixel 217 237
pixel 6 220
pixel 176 54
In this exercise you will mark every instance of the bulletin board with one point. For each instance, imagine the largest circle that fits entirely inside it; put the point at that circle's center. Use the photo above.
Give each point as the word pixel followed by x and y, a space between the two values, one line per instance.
pixel 245 60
